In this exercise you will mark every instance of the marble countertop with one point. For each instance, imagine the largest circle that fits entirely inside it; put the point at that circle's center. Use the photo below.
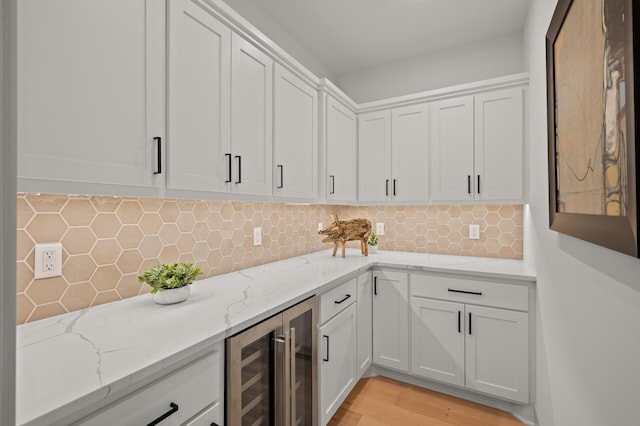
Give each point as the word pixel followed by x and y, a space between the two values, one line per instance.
pixel 68 362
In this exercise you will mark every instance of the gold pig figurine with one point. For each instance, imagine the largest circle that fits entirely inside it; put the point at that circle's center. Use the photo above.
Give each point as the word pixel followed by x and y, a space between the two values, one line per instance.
pixel 341 231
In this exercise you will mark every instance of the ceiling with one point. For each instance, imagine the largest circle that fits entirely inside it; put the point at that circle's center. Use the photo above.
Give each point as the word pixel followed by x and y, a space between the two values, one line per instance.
pixel 352 35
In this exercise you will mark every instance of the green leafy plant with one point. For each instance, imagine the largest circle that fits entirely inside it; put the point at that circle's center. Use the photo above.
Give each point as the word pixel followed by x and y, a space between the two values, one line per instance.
pixel 373 239
pixel 164 277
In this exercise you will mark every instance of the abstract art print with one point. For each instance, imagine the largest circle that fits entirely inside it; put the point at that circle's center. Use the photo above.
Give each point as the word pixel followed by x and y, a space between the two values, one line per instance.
pixel 591 119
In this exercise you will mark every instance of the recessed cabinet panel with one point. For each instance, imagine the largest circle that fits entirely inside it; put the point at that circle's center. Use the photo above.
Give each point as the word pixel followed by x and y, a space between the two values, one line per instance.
pixel 409 158
pixel 374 165
pixel 199 100
pixel 391 320
pixel 341 152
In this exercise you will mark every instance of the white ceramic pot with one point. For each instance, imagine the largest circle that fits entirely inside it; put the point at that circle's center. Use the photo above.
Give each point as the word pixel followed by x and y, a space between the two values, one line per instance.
pixel 373 249
pixel 172 295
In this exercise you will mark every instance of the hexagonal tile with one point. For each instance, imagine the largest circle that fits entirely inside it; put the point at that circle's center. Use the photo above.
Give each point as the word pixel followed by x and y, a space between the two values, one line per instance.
pixel 200 211
pixel 46 290
pixel 24 308
pixel 201 251
pixel 185 243
pixel 214 239
pixel 479 211
pixel 128 286
pixel 150 204
pixel 492 245
pixel 200 231
pixel 129 212
pixel 214 258
pixel 78 268
pixel 24 245
pixel 129 236
pixel 106 225
pixel 78 212
pixel 106 297
pixel 105 252
pixel 46 203
pixel 506 225
pixel 106 204
pixel 169 211
pixel 186 222
pixel 78 240
pixel 46 311
pixel 129 262
pixel 150 247
pixel 214 221
pixel 169 254
pixel 78 296
pixel 186 205
pixel 24 276
pixel 24 212
pixel 46 228
pixel 106 277
pixel 150 223
pixel 169 233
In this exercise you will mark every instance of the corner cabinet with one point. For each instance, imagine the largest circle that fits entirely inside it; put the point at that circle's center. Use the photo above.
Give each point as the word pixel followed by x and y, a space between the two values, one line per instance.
pixel 295 137
pixel 391 320
pixel 340 131
pixel 90 97
pixel 477 147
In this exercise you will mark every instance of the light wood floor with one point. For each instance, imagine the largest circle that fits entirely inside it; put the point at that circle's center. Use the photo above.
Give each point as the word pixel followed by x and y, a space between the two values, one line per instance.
pixel 378 401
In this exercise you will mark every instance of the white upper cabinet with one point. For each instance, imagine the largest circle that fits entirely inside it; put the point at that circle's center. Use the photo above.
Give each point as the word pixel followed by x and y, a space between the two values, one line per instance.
pixel 295 137
pixel 393 158
pixel 251 117
pixel 199 142
pixel 90 96
pixel 341 126
pixel 477 147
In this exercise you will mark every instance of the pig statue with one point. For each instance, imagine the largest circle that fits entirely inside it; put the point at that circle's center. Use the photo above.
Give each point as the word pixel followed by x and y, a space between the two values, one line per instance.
pixel 341 231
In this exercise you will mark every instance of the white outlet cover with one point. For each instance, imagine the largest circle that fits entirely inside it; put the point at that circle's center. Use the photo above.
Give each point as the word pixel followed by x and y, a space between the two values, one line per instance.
pixel 380 228
pixel 257 237
pixel 53 268
pixel 474 232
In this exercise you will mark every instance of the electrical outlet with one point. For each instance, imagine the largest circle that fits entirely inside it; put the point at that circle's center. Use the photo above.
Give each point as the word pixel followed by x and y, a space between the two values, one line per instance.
pixel 48 260
pixel 257 237
pixel 320 227
pixel 474 232
pixel 380 228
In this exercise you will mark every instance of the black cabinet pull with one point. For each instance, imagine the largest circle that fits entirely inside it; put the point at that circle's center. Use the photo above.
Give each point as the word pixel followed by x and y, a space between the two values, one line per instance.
pixel 459 325
pixel 394 187
pixel 333 184
pixel 337 302
pixel 229 169
pixel 477 293
pixel 214 424
pixel 386 187
pixel 327 358
pixel 468 184
pixel 375 286
pixel 478 184
pixel 174 408
pixel 158 139
pixel 281 167
pixel 469 323
pixel 239 158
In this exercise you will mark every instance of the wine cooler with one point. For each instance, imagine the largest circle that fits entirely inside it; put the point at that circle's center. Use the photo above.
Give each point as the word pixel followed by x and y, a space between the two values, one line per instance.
pixel 272 368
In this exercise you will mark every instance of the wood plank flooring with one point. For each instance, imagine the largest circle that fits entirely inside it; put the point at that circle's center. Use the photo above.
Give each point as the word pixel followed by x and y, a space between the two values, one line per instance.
pixel 379 401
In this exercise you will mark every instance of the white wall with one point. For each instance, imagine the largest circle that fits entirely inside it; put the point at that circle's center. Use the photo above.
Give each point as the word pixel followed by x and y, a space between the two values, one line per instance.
pixel 588 314
pixel 472 62
pixel 258 18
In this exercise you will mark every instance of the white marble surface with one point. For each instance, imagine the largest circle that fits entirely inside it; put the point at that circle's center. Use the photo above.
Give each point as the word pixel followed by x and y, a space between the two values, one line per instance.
pixel 71 361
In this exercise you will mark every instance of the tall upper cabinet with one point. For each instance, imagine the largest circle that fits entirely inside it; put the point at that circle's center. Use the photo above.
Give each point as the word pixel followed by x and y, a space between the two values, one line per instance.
pixel 295 136
pixel 340 138
pixel 477 147
pixel 90 96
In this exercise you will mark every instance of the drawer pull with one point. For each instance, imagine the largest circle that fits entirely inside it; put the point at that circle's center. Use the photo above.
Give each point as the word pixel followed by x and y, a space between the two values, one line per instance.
pixel 375 286
pixel 469 323
pixel 477 293
pixel 327 358
pixel 158 171
pixel 174 408
pixel 337 302
pixel 459 327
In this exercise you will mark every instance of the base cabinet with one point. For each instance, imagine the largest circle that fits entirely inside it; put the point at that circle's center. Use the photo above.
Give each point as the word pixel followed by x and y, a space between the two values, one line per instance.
pixel 391 320
pixel 365 322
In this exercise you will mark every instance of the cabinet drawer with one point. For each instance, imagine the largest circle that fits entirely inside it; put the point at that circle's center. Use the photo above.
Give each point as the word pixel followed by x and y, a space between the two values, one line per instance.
pixel 334 301
pixel 191 389
pixel 509 296
pixel 211 417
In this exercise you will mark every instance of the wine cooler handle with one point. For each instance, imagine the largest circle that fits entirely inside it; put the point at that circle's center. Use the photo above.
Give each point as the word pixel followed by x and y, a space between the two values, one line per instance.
pixel 292 363
pixel 174 408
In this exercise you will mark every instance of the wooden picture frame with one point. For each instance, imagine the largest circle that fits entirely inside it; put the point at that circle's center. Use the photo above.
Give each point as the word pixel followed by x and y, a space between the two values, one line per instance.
pixel 568 111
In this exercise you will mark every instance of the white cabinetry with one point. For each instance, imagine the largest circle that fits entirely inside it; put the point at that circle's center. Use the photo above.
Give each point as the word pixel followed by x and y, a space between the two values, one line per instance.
pixel 341 151
pixel 396 142
pixel 295 136
pixel 90 96
pixel 391 320
pixel 464 344
pixel 337 357
pixel 477 147
pixel 365 322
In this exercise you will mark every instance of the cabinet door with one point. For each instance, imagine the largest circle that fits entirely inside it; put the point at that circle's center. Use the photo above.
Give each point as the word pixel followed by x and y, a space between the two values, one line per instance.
pixel 497 352
pixel 251 117
pixel 337 361
pixel 211 417
pixel 296 136
pixel 374 158
pixel 199 99
pixel 341 152
pixel 409 158
pixel 499 137
pixel 90 96
pixel 437 336
pixel 365 322
pixel 452 176
pixel 391 320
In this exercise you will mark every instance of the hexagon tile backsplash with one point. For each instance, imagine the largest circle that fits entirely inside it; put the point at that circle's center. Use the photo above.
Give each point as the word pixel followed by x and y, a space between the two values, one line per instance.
pixel 108 241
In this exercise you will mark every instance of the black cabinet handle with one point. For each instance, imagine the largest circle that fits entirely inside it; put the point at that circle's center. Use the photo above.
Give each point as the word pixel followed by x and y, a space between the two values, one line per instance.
pixel 459 325
pixel 333 184
pixel 477 293
pixel 386 187
pixel 478 184
pixel 468 184
pixel 327 358
pixel 174 408
pixel 375 286
pixel 239 158
pixel 394 187
pixel 214 424
pixel 337 302
pixel 281 167
pixel 229 169
pixel 469 322
pixel 158 139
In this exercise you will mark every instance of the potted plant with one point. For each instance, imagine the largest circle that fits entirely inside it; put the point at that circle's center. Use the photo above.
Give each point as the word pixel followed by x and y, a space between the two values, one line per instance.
pixel 170 283
pixel 373 243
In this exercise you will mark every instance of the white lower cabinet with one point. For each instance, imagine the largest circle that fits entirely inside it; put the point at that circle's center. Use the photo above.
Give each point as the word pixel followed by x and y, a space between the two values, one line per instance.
pixel 364 322
pixel 337 357
pixel 191 395
pixel 391 320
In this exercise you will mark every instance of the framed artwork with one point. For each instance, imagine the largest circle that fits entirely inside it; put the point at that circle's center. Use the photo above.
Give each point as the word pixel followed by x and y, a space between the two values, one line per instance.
pixel 591 71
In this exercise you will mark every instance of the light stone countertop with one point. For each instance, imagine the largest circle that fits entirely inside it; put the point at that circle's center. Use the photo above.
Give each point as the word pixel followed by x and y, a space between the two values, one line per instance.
pixel 69 362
